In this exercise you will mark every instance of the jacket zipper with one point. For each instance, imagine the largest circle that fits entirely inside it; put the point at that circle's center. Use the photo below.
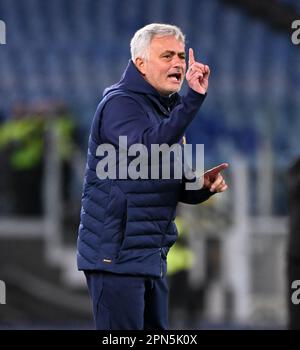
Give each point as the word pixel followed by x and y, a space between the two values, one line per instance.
pixel 161 272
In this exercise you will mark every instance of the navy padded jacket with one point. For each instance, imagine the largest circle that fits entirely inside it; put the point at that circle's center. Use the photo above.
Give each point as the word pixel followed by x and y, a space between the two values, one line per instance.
pixel 127 226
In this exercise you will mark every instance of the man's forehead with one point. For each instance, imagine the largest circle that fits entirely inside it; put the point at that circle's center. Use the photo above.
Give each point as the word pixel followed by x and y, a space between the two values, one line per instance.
pixel 167 43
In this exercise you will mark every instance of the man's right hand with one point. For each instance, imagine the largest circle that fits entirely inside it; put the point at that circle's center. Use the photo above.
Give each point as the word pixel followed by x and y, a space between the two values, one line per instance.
pixel 197 74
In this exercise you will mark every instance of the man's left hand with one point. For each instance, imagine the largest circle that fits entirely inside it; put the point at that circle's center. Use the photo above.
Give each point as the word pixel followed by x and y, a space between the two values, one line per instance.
pixel 213 180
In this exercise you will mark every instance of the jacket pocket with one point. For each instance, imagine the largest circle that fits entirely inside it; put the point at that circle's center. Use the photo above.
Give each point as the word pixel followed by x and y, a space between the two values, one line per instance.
pixel 114 213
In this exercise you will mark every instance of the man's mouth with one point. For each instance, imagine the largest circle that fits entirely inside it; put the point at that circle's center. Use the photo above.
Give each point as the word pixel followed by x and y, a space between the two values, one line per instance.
pixel 175 77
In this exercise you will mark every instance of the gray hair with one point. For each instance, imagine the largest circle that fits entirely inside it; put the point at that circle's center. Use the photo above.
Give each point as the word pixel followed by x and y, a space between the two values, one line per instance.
pixel 141 40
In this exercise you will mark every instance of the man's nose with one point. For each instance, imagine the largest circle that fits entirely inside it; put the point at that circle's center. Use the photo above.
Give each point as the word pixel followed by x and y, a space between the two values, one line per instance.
pixel 178 62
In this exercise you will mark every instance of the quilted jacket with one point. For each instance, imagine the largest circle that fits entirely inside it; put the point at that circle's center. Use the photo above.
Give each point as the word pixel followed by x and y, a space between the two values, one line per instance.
pixel 127 226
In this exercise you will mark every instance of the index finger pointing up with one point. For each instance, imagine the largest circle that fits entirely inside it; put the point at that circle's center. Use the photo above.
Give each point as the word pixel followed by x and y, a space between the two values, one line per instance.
pixel 191 56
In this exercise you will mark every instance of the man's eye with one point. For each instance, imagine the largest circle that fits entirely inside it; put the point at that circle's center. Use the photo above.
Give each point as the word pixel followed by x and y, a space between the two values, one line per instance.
pixel 167 56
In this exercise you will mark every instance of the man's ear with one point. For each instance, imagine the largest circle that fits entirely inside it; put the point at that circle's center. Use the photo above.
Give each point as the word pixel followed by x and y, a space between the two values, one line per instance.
pixel 140 64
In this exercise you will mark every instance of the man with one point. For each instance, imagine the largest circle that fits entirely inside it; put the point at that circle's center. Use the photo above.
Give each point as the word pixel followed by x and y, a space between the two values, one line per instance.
pixel 127 226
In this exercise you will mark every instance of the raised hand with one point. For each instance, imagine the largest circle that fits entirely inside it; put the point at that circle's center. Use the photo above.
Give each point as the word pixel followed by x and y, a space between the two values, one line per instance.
pixel 197 74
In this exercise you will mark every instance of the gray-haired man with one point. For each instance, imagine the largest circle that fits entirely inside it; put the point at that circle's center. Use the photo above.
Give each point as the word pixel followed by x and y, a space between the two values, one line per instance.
pixel 127 226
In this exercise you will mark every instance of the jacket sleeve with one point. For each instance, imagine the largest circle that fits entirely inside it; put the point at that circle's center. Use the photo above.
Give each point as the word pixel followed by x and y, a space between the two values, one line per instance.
pixel 194 196
pixel 123 116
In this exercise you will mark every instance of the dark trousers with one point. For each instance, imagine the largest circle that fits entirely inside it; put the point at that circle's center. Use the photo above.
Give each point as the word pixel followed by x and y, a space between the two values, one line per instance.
pixel 122 302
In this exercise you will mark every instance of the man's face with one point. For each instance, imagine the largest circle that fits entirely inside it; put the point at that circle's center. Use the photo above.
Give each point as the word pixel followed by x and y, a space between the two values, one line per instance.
pixel 165 66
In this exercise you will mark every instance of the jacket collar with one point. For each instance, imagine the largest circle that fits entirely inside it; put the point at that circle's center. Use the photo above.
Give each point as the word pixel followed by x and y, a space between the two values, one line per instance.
pixel 132 80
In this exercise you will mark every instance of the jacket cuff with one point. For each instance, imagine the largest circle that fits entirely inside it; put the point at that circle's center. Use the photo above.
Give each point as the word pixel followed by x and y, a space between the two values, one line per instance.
pixel 195 197
pixel 192 100
pixel 194 95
